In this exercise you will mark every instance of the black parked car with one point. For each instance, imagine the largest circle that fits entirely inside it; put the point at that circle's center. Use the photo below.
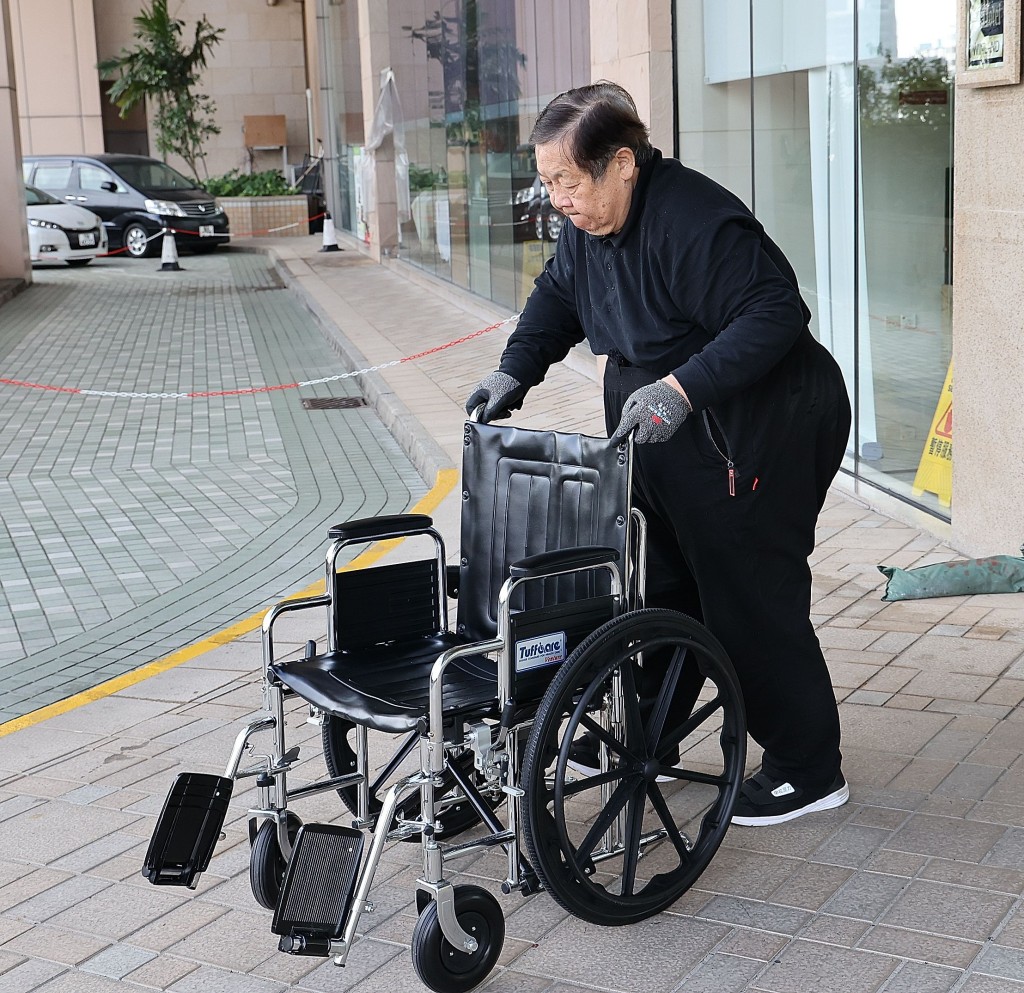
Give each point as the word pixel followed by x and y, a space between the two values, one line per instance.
pixel 545 220
pixel 533 217
pixel 136 197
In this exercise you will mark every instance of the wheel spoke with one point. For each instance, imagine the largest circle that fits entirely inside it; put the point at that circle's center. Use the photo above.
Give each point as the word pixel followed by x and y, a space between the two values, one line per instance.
pixel 619 747
pixel 661 808
pixel 569 789
pixel 694 721
pixel 665 695
pixel 634 830
pixel 692 776
pixel 603 821
pixel 631 706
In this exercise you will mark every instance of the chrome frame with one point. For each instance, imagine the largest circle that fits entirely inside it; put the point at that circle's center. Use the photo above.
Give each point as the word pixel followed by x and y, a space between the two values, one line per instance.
pixel 625 582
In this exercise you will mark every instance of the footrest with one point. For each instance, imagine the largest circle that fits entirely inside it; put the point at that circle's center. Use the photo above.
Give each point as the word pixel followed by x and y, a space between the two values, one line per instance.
pixel 317 889
pixel 187 829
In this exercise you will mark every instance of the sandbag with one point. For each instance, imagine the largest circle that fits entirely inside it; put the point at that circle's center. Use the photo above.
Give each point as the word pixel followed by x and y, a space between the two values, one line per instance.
pixel 995 574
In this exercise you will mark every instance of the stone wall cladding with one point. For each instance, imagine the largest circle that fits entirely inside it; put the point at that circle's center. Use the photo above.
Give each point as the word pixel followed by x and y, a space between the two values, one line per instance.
pixel 261 217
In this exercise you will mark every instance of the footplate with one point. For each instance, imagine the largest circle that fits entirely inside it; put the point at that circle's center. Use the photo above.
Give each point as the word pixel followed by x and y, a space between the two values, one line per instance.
pixel 318 887
pixel 187 829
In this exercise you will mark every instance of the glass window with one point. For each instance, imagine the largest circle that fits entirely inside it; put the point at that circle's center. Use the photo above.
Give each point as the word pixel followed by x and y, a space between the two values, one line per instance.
pixel 834 120
pixel 905 76
pixel 53 175
pixel 472 77
pixel 92 178
pixel 152 176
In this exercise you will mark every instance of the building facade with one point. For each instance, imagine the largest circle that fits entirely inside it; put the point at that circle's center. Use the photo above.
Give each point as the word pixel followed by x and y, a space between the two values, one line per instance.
pixel 837 121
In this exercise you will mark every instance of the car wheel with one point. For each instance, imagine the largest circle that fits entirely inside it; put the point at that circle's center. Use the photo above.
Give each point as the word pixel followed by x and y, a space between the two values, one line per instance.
pixel 538 226
pixel 76 263
pixel 136 241
pixel 554 225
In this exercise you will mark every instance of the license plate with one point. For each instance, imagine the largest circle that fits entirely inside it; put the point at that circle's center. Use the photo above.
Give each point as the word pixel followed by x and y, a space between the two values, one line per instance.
pixel 205 230
pixel 87 240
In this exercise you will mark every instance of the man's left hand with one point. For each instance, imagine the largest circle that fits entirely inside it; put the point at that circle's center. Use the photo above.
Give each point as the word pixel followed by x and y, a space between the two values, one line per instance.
pixel 655 410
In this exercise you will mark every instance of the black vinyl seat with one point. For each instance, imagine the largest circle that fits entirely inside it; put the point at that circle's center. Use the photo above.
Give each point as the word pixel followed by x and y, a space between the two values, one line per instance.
pixel 385 687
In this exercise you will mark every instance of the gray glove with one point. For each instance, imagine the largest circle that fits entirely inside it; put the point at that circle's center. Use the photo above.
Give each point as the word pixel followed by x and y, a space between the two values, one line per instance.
pixel 655 410
pixel 500 392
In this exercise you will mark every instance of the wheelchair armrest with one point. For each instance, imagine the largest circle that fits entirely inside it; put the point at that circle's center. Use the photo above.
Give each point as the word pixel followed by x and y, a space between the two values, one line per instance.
pixel 385 526
pixel 562 560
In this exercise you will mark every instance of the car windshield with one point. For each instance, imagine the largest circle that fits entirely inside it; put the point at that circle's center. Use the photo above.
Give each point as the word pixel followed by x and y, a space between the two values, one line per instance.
pixel 152 176
pixel 35 198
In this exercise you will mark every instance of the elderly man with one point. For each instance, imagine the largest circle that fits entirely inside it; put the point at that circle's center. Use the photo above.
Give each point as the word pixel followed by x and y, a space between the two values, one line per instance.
pixel 741 419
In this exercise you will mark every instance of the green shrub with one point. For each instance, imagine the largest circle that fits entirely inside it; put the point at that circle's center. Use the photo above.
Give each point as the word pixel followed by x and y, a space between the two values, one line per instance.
pixel 249 184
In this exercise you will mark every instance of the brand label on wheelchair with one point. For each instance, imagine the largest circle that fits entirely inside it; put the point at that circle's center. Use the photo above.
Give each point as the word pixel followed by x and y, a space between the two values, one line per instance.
pixel 532 653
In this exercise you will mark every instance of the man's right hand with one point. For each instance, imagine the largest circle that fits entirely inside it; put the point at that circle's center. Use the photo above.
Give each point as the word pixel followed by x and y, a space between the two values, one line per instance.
pixel 499 394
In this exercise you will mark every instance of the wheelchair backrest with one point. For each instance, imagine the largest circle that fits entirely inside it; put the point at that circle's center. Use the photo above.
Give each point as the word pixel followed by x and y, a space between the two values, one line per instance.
pixel 526 492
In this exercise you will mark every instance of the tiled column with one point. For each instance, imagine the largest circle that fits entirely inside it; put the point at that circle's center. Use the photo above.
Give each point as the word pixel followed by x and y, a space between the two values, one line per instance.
pixel 374 56
pixel 14 262
pixel 988 301
pixel 631 44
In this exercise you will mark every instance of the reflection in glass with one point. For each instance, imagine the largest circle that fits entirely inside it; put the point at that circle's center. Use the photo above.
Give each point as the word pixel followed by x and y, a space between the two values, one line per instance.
pixel 472 76
pixel 850 171
pixel 906 138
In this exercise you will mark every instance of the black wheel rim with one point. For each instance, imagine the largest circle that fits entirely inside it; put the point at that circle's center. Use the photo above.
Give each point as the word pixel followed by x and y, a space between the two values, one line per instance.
pixel 565 845
pixel 266 863
pixel 442 966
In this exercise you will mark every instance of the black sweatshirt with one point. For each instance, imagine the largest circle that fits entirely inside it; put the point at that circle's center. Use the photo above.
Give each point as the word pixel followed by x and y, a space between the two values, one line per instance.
pixel 691 286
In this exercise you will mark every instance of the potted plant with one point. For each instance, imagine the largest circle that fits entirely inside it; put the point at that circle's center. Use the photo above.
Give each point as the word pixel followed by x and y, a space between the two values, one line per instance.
pixel 263 204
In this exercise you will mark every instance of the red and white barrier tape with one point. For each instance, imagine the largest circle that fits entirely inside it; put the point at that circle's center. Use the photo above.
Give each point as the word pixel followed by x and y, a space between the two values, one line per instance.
pixel 258 389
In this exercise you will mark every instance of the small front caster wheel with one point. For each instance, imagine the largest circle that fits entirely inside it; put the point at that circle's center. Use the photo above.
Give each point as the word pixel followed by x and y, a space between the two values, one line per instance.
pixel 442 966
pixel 266 862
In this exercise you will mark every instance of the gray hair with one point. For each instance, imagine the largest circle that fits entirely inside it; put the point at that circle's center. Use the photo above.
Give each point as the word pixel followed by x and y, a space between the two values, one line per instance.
pixel 592 123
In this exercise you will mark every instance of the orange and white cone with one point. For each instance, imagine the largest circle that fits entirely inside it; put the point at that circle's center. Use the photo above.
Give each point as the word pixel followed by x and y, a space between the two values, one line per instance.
pixel 169 253
pixel 330 237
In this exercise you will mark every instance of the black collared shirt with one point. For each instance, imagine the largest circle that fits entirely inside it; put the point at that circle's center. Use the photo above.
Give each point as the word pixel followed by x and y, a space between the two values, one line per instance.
pixel 691 285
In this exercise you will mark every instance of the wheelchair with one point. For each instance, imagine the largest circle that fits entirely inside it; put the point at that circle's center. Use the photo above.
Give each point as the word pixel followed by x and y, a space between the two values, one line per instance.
pixel 458 737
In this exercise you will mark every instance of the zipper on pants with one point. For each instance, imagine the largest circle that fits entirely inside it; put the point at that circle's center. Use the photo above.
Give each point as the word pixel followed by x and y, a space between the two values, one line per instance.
pixel 727 454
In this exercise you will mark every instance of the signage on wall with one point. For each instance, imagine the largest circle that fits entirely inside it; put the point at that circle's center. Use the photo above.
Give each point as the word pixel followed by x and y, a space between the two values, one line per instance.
pixel 988 42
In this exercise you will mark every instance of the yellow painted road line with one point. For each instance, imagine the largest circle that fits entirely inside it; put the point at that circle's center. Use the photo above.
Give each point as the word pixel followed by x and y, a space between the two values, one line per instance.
pixel 443 485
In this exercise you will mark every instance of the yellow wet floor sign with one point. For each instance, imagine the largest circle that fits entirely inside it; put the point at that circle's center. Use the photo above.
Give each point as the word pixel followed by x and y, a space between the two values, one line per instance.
pixel 935 470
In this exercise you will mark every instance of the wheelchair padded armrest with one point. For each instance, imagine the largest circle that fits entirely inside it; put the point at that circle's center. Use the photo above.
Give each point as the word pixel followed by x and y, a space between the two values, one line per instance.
pixel 562 560
pixel 385 526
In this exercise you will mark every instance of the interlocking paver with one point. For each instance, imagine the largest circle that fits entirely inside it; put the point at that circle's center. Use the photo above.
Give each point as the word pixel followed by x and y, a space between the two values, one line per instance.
pixel 133 527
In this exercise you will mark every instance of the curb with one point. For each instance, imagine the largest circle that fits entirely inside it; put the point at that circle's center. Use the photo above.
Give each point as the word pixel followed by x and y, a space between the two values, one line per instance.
pixel 10 288
pixel 428 457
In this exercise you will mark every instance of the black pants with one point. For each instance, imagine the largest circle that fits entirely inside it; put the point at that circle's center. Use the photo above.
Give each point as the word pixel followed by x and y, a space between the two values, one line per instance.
pixel 731 548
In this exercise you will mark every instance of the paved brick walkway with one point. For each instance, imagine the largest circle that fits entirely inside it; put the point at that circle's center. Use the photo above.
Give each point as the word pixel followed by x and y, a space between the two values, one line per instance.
pixel 133 527
pixel 915 886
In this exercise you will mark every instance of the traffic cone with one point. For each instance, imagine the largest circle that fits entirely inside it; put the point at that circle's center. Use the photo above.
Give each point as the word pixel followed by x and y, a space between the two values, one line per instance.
pixel 169 253
pixel 330 238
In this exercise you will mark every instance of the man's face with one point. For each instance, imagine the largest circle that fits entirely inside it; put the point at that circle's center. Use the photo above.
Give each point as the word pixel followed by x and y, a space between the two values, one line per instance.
pixel 597 206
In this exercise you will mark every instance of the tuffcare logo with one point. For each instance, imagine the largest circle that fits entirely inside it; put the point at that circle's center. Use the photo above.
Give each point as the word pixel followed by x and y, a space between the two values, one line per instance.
pixel 532 653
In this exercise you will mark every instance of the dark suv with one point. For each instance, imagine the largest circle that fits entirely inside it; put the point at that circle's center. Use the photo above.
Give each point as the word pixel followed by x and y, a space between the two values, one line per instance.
pixel 136 197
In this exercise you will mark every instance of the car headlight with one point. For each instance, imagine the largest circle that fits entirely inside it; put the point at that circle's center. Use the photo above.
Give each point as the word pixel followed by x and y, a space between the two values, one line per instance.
pixel 36 223
pixel 167 207
pixel 523 196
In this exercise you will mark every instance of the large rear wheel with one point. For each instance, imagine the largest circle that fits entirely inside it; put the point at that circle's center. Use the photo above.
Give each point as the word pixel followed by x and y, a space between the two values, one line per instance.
pixel 622 845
